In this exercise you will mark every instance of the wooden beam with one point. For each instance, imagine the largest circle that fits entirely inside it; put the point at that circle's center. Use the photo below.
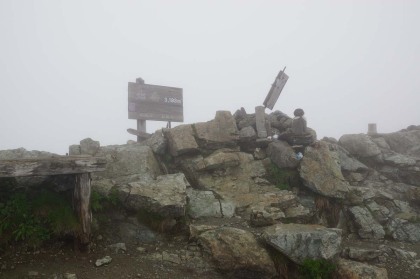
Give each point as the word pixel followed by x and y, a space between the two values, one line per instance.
pixel 81 206
pixel 51 166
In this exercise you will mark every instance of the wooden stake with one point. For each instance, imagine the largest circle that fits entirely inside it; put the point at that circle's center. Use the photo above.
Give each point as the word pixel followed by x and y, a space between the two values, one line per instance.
pixel 141 128
pixel 81 205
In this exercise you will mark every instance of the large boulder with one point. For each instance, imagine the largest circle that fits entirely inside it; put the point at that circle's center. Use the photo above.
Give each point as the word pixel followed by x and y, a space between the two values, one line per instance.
pixel 166 196
pixel 244 185
pixel 282 154
pixel 405 142
pixel 125 163
pixel 89 146
pixel 237 253
pixel 299 242
pixel 218 133
pixel 181 140
pixel 321 172
pixel 360 145
pixel 348 163
pixel 403 230
pixel 347 269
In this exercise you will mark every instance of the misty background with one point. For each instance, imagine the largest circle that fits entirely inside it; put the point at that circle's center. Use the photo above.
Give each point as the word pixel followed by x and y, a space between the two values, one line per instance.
pixel 65 65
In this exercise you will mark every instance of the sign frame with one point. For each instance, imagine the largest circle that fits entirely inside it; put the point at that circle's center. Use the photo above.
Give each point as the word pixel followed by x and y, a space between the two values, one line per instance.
pixel 155 102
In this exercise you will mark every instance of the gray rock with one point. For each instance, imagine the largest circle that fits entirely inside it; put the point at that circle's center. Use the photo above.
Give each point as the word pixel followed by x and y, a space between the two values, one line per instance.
pixel 403 230
pixel 299 242
pixel 172 258
pixel 89 147
pixel 220 160
pixel 359 145
pixel 237 253
pixel 228 209
pixel 282 154
pixel 321 172
pixel 379 212
pixel 298 213
pixel 330 140
pixel 238 186
pixel 117 247
pixel 360 254
pixel 196 230
pixel 125 164
pixel 381 143
pixel 203 204
pixel 181 140
pixel 165 196
pixel 259 154
pixel 404 142
pixel 265 216
pixel 367 226
pixel 349 163
pixel 352 269
pixel 246 121
pixel 247 134
pixel 70 276
pixel 399 254
pixel 399 160
pixel 136 233
pixel 157 142
pixel 221 132
pixel 74 150
pixel 103 261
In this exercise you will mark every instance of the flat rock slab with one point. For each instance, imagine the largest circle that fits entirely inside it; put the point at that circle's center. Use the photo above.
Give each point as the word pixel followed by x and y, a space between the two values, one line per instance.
pixel 299 242
pixel 321 172
pixel 165 196
pixel 218 133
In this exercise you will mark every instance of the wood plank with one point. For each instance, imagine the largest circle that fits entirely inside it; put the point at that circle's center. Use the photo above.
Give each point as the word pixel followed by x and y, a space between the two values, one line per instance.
pixel 51 166
pixel 81 206
pixel 275 90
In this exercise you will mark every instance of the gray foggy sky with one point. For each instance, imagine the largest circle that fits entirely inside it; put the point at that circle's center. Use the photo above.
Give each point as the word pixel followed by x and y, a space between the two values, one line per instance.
pixel 64 65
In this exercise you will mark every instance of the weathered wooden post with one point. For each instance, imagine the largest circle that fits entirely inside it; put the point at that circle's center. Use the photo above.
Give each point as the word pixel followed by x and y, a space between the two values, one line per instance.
pixel 81 205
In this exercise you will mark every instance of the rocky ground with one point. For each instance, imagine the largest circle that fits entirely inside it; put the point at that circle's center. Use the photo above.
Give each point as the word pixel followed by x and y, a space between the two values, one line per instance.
pixel 154 255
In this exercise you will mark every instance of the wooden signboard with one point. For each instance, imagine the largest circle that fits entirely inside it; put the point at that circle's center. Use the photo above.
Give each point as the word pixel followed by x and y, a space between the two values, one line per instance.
pixel 275 90
pixel 155 102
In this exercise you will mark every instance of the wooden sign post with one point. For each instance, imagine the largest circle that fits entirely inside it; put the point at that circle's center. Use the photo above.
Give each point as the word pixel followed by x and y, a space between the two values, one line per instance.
pixel 153 102
pixel 276 89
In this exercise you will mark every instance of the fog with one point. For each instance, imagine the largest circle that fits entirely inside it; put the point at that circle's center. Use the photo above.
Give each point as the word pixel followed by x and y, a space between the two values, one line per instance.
pixel 65 65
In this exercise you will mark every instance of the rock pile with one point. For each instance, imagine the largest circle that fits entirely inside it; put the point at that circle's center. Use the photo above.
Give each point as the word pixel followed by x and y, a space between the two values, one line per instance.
pixel 231 170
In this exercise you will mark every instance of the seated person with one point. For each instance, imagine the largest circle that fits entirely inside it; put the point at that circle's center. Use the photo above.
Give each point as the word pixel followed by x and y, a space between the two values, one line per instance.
pixel 299 123
pixel 298 134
